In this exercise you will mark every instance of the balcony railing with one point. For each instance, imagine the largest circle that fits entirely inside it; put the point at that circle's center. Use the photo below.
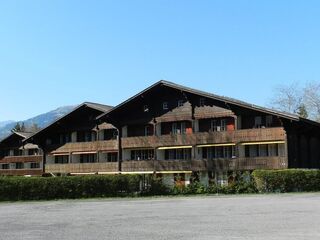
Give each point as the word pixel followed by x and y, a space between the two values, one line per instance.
pixel 109 145
pixel 206 165
pixel 237 136
pixel 82 167
pixel 22 159
pixel 248 163
pixel 21 172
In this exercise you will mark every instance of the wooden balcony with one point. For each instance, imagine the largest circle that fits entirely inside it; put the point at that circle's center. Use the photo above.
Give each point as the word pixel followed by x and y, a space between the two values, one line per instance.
pixel 20 172
pixel 164 165
pixel 237 136
pixel 110 145
pixel 22 159
pixel 248 163
pixel 206 165
pixel 82 167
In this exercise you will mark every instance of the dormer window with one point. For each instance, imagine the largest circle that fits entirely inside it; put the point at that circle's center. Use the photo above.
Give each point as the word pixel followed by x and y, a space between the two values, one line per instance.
pixel 146 108
pixel 180 103
pixel 202 102
pixel 165 106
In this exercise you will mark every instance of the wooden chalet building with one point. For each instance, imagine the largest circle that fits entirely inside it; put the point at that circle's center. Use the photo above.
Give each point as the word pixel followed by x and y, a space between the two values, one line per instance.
pixel 17 158
pixel 181 133
pixel 177 133
pixel 75 144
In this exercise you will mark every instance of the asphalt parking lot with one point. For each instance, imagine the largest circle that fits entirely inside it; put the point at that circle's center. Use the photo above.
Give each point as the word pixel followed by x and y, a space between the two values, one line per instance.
pixel 287 216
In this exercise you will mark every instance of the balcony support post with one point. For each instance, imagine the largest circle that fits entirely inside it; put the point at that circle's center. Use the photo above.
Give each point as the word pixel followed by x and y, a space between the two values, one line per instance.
pixel 119 148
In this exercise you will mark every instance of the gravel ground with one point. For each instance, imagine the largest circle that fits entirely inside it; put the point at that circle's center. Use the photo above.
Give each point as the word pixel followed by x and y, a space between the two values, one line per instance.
pixel 287 216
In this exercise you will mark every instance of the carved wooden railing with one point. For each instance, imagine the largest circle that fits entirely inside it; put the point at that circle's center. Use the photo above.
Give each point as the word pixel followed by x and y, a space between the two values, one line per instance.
pixel 21 172
pixel 237 136
pixel 82 167
pixel 206 165
pixel 109 145
pixel 22 159
pixel 248 163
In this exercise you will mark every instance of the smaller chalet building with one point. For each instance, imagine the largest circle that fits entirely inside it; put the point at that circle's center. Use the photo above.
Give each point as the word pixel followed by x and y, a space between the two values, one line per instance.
pixel 76 144
pixel 17 158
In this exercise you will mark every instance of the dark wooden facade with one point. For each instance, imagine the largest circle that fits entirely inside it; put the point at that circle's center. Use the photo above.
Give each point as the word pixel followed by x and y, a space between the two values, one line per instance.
pixel 169 128
pixel 19 159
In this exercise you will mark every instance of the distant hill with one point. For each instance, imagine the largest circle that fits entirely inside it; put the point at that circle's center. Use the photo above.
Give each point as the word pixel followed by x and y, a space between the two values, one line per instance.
pixel 41 120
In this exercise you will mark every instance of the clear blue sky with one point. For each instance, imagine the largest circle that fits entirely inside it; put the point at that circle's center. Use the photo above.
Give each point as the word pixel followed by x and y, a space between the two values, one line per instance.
pixel 56 53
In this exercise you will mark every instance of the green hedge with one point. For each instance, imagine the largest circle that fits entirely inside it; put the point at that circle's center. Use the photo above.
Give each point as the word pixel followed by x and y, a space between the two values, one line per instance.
pixel 41 188
pixel 289 180
pixel 46 188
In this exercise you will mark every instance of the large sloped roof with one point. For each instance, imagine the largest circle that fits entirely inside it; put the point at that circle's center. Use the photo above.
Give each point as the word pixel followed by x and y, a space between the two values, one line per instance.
pixel 97 106
pixel 208 95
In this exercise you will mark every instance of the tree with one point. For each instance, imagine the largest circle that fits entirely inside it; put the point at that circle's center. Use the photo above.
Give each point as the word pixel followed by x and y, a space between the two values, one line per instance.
pixel 302 111
pixel 34 128
pixel 287 98
pixel 302 101
pixel 312 99
pixel 17 127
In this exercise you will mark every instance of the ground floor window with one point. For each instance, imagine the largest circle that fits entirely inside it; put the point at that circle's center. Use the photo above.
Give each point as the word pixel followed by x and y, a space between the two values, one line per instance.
pixel 144 154
pixel 63 159
pixel 34 165
pixel 19 165
pixel 88 158
pixel 178 154
pixel 5 166
pixel 112 157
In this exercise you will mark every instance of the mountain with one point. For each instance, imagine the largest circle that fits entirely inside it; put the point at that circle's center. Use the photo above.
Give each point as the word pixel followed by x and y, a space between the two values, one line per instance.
pixel 4 123
pixel 41 120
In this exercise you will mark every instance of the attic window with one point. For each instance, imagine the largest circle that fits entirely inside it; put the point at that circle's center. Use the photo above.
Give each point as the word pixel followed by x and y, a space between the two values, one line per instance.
pixel 202 102
pixel 180 103
pixel 165 106
pixel 146 108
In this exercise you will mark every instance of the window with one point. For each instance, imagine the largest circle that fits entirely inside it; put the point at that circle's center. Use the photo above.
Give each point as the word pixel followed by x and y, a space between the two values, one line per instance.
pixel 65 138
pixel 183 127
pixel 5 166
pixel 223 125
pixel 32 152
pixel 178 154
pixel 214 125
pixel 112 157
pixel 202 102
pixel 85 136
pixel 263 150
pixel 87 158
pixel 174 128
pixel 110 134
pixel 19 165
pixel 146 108
pixel 165 106
pixel 34 165
pixel 63 159
pixel 148 130
pixel 269 121
pixel 178 128
pixel 257 122
pixel 180 103
pixel 218 152
pixel 48 141
pixel 218 125
pixel 145 154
